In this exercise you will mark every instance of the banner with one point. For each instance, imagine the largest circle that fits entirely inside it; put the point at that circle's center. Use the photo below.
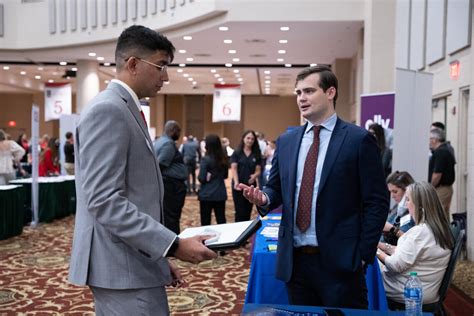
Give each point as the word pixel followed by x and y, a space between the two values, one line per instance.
pixel 34 164
pixel 226 104
pixel 57 100
pixel 377 108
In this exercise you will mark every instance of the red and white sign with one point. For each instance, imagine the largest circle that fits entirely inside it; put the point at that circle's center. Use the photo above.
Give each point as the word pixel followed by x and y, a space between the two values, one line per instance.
pixel 227 103
pixel 57 100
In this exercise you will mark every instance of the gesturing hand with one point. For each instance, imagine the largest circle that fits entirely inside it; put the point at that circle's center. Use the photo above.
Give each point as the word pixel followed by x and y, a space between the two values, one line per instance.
pixel 192 249
pixel 254 195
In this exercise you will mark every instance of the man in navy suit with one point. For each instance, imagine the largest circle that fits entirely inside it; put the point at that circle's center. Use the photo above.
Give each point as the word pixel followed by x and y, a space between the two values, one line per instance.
pixel 334 198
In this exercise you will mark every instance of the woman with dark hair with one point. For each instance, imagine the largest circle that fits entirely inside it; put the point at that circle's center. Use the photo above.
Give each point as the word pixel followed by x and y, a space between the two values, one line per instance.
pixel 398 220
pixel 386 153
pixel 245 164
pixel 213 170
pixel 49 160
pixel 23 142
pixel 425 248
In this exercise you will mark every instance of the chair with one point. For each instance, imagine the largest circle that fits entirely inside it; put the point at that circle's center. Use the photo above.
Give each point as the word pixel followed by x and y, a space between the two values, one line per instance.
pixel 438 308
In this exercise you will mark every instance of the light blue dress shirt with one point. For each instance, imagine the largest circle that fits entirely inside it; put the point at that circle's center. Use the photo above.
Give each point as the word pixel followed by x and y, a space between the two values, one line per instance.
pixel 309 238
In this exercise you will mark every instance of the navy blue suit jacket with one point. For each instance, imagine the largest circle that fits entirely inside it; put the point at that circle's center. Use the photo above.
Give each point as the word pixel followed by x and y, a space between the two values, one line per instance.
pixel 352 203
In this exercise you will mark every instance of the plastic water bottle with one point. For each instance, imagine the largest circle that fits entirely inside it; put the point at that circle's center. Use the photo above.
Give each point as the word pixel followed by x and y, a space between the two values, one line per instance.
pixel 413 296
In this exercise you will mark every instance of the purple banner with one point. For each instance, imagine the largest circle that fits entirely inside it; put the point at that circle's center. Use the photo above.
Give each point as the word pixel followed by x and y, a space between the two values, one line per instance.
pixel 377 108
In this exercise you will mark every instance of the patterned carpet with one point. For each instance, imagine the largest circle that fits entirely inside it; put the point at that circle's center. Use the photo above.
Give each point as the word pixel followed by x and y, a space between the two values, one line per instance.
pixel 33 275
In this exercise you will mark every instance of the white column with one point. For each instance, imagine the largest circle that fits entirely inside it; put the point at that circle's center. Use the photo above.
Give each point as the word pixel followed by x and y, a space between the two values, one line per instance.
pixel 87 82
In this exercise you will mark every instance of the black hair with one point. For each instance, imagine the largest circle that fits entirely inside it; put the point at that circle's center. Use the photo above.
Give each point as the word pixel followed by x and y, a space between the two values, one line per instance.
pixel 379 135
pixel 215 150
pixel 68 135
pixel 327 78
pixel 401 179
pixel 140 41
pixel 255 147
pixel 439 125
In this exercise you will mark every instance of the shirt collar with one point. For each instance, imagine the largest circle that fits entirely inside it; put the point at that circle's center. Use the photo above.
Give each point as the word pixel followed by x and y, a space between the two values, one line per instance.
pixel 130 91
pixel 328 124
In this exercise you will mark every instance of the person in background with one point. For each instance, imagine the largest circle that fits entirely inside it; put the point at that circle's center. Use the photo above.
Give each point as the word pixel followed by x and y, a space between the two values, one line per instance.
pixel 268 157
pixel 442 127
pixel 49 160
pixel 191 155
pixel 121 245
pixel 245 164
pixel 10 153
pixel 425 248
pixel 174 174
pixel 69 153
pixel 398 220
pixel 226 145
pixel 328 176
pixel 23 142
pixel 213 170
pixel 386 153
pixel 441 168
pixel 44 142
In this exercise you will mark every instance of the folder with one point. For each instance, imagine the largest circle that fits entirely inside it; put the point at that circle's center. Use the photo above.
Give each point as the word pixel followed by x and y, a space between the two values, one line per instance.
pixel 226 236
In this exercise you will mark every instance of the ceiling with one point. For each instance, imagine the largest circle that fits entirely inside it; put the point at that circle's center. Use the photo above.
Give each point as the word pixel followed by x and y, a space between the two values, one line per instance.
pixel 260 68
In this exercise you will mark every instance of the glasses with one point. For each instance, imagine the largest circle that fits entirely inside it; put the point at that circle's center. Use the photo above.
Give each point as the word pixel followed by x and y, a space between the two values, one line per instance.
pixel 162 68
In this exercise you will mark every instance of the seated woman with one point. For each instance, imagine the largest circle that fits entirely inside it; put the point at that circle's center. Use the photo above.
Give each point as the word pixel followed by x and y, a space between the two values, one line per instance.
pixel 398 220
pixel 425 248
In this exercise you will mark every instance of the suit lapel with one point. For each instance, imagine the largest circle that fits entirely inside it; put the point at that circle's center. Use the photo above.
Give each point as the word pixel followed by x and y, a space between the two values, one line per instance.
pixel 293 150
pixel 335 143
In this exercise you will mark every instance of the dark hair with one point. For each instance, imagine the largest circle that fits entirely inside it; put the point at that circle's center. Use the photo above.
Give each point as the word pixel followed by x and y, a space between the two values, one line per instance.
pixel 401 179
pixel 327 78
pixel 68 135
pixel 20 138
pixel 255 147
pixel 379 135
pixel 214 150
pixel 140 41
pixel 439 125
pixel 53 147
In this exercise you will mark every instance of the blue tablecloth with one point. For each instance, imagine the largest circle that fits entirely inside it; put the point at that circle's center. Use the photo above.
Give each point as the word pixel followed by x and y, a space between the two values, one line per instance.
pixel 264 288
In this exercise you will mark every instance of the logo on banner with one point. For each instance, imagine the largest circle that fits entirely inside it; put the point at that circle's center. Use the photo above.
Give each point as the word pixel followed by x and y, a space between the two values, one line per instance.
pixel 379 120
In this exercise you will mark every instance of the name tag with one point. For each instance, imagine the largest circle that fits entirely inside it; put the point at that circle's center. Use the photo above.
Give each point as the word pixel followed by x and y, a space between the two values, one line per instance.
pixel 405 220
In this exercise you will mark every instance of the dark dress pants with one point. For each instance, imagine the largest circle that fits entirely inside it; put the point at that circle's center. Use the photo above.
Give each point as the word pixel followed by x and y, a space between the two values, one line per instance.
pixel 173 202
pixel 191 181
pixel 243 208
pixel 315 285
pixel 206 212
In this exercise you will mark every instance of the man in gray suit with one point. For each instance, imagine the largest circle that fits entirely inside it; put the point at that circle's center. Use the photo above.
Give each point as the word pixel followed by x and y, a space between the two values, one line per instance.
pixel 120 243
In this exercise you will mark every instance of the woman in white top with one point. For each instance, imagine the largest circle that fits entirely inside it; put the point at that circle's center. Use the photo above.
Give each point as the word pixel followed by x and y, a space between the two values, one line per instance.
pixel 425 248
pixel 10 151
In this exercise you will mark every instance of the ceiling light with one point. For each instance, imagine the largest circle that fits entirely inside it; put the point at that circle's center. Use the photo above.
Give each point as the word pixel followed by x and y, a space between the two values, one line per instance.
pixel 280 60
pixel 147 98
pixel 288 65
pixel 189 59
pixel 187 38
pixel 236 71
pixel 237 75
pixel 190 79
pixel 106 64
pixel 166 82
pixel 220 79
pixel 40 68
pixel 217 75
pixel 37 77
pixel 228 65
pixel 232 51
pixel 283 41
pixel 268 77
pixel 182 65
pixel 182 51
pixel 100 58
pixel 267 72
pixel 281 51
pixel 235 59
pixel 240 79
pixel 22 73
pixel 223 82
pixel 313 65
pixel 227 41
pixel 223 28
pixel 268 81
pixel 6 67
pixel 74 69
pixel 63 63
pixel 213 70
pixel 92 54
pixel 284 28
pixel 106 81
pixel 185 75
pixel 50 80
pixel 180 70
pixel 195 83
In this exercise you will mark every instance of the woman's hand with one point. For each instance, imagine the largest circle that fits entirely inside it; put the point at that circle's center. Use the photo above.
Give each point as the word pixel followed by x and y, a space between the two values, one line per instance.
pixel 253 178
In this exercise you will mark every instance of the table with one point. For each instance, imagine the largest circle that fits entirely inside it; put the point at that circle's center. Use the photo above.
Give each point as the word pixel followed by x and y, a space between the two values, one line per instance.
pixel 264 288
pixel 12 210
pixel 57 197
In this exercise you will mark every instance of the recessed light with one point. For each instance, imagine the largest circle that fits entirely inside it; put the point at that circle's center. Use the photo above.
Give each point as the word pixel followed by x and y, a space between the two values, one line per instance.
pixel 187 38
pixel 106 64
pixel 182 65
pixel 236 71
pixel 190 79
pixel 147 98
pixel 189 59
pixel 100 58
pixel 284 28
pixel 180 70
pixel 283 41
pixel 185 75
pixel 268 77
pixel 167 82
pixel 223 28
pixel 213 70
pixel 281 51
pixel 182 51
pixel 267 72
pixel 232 51
pixel 92 54
pixel 227 41
pixel 280 60
pixel 240 79
pixel 228 65
pixel 288 65
pixel 268 81
pixel 313 65
pixel 237 75
pixel 6 67
pixel 40 68
pixel 50 80
pixel 195 83
pixel 235 60
pixel 220 79
pixel 37 77
pixel 22 73
pixel 63 63
pixel 74 68
pixel 217 75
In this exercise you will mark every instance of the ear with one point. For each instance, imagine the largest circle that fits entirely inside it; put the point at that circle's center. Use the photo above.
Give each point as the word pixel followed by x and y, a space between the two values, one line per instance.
pixel 131 65
pixel 331 93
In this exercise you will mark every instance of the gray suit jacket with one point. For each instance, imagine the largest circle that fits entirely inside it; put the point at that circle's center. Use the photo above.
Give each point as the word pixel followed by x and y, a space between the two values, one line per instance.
pixel 119 239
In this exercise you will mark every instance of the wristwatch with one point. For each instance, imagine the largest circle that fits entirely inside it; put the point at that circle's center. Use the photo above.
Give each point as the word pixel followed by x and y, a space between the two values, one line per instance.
pixel 174 247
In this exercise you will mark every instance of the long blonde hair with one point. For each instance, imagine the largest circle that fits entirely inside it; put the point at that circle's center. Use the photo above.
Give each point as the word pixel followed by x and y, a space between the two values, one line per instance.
pixel 428 210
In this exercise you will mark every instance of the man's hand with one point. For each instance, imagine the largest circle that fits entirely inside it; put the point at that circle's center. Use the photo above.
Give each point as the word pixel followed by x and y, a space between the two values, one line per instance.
pixel 192 249
pixel 254 195
pixel 176 278
pixel 387 227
